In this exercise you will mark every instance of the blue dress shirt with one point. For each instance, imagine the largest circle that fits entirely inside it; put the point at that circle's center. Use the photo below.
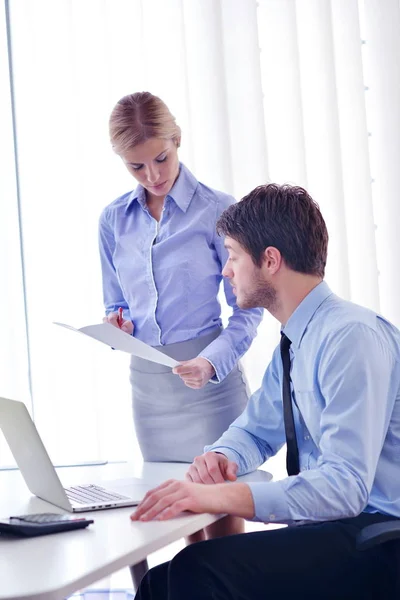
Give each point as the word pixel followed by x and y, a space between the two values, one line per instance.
pixel 166 275
pixel 345 372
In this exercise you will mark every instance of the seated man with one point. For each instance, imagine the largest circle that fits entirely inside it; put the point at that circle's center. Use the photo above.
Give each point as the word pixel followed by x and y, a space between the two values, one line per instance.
pixel 332 391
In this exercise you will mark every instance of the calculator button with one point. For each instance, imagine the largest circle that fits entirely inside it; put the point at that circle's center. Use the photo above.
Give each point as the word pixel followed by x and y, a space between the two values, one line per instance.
pixel 42 518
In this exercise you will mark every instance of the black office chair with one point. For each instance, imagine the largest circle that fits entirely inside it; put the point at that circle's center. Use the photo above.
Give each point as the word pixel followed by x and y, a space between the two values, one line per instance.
pixel 387 532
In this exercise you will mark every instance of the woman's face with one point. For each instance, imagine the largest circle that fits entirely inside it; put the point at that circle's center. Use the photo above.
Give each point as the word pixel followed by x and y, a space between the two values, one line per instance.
pixel 154 164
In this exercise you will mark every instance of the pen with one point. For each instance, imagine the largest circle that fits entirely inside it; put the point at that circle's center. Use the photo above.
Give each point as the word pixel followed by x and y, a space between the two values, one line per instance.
pixel 120 318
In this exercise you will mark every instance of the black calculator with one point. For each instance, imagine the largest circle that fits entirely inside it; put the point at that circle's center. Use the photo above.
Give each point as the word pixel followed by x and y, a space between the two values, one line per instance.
pixel 42 523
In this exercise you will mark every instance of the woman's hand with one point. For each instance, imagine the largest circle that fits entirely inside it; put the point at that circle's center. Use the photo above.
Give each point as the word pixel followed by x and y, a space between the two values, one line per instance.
pixel 195 373
pixel 115 319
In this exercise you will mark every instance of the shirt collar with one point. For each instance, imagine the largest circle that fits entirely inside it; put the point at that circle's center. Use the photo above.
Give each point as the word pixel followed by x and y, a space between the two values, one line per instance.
pixel 300 318
pixel 181 192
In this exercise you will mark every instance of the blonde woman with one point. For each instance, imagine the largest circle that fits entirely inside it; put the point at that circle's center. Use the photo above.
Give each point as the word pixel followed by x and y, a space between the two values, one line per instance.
pixel 161 264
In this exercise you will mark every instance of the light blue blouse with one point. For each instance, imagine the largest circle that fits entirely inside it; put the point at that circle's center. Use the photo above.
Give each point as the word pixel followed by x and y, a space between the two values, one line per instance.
pixel 166 275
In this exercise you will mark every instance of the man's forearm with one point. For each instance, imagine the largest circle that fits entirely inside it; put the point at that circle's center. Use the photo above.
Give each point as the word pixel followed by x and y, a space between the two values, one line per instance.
pixel 233 499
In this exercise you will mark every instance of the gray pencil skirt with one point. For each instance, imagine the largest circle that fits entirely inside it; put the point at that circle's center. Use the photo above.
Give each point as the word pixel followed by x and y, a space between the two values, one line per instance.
pixel 174 422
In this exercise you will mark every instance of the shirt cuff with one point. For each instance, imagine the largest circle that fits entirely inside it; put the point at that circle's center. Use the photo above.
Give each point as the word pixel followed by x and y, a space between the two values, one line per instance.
pixel 230 454
pixel 222 357
pixel 214 378
pixel 270 504
pixel 217 378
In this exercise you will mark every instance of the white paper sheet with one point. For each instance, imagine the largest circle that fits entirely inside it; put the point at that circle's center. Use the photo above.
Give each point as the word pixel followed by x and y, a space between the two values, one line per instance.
pixel 119 340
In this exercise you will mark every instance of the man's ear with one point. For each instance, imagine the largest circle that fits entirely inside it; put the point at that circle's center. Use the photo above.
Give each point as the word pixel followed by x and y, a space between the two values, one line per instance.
pixel 272 260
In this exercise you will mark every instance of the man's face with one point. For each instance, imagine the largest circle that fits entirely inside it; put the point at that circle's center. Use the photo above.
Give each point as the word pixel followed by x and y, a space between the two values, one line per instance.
pixel 250 283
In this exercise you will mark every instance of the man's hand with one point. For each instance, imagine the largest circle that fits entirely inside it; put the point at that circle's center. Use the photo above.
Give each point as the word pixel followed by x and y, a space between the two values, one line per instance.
pixel 173 497
pixel 113 317
pixel 212 467
pixel 195 373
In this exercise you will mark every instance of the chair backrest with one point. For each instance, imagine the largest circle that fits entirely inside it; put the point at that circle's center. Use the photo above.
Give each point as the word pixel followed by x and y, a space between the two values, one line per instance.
pixel 386 532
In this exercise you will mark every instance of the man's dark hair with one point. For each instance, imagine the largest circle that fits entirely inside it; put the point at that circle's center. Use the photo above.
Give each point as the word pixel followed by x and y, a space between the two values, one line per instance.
pixel 282 216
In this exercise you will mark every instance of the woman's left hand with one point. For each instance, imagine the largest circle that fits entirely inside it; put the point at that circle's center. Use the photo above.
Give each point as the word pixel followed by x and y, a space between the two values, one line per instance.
pixel 195 373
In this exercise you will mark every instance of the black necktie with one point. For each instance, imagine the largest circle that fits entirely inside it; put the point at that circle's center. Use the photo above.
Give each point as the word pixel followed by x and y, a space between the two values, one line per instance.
pixel 292 451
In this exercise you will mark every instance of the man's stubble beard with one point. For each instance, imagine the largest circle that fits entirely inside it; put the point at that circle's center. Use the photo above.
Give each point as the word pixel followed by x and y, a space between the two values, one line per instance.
pixel 262 296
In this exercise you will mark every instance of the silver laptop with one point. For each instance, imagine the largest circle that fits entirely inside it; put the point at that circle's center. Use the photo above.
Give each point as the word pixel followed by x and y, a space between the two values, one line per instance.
pixel 41 477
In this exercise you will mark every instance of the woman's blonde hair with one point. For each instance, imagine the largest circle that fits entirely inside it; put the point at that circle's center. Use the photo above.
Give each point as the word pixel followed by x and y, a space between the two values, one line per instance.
pixel 139 117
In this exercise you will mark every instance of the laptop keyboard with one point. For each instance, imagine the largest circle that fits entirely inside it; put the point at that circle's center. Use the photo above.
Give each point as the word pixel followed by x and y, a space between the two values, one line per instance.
pixel 89 494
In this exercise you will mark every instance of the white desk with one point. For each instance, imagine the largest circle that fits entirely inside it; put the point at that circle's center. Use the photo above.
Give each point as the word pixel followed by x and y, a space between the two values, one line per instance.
pixel 54 566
